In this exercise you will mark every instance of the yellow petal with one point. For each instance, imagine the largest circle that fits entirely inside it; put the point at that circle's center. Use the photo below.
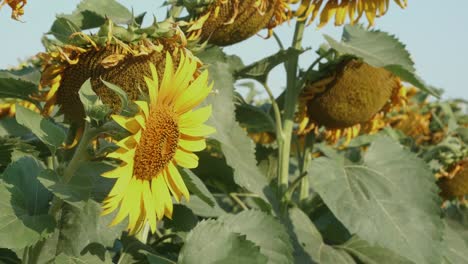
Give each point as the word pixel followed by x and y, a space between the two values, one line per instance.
pixel 194 94
pixel 195 118
pixel 192 145
pixel 186 159
pixel 166 85
pixel 161 196
pixel 176 180
pixel 149 205
pixel 144 107
pixel 198 131
pixel 136 209
pixel 129 124
pixel 118 172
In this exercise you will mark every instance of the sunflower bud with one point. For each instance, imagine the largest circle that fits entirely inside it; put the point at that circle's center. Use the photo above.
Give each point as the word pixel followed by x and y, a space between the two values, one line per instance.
pixel 227 22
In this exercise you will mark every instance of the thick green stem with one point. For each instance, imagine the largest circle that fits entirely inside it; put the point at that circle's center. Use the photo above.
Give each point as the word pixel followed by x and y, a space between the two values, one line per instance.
pixel 292 92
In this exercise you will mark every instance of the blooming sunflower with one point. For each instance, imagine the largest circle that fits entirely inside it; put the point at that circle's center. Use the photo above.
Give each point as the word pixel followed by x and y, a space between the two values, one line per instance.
pixel 65 68
pixel 341 9
pixel 17 7
pixel 164 134
pixel 353 99
pixel 226 22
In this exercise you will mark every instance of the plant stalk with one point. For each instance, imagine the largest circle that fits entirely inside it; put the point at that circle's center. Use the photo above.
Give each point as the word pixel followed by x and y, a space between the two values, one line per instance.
pixel 292 92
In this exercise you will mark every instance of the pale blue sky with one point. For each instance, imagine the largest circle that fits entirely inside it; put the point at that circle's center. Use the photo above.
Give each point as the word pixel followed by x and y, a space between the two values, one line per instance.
pixel 435 32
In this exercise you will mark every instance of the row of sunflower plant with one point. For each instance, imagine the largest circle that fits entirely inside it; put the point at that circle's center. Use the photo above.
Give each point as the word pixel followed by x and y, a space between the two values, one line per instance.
pixel 356 161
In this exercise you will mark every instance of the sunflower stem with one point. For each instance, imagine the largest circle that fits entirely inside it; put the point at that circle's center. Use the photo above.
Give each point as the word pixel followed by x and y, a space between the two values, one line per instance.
pixel 292 92
pixel 276 110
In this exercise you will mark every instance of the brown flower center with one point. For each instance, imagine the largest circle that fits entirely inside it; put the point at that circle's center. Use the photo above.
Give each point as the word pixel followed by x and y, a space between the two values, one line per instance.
pixel 158 143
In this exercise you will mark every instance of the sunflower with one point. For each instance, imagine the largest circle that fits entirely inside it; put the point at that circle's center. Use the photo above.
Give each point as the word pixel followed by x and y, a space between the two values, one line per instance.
pixel 413 124
pixel 164 134
pixel 341 9
pixel 454 184
pixel 354 99
pixel 65 68
pixel 226 22
pixel 17 7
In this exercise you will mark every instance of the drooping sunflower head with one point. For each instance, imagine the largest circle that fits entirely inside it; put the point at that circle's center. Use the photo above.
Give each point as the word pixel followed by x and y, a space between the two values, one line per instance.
pixel 455 184
pixel 103 57
pixel 17 7
pixel 163 136
pixel 343 9
pixel 226 22
pixel 354 98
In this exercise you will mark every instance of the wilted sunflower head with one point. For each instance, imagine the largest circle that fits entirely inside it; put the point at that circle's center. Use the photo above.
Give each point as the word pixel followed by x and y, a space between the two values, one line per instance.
pixel 354 98
pixel 8 107
pixel 125 64
pixel 455 185
pixel 163 136
pixel 342 9
pixel 413 124
pixel 225 22
pixel 17 7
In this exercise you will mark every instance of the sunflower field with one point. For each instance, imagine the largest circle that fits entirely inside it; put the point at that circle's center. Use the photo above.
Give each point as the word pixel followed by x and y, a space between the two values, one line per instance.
pixel 130 143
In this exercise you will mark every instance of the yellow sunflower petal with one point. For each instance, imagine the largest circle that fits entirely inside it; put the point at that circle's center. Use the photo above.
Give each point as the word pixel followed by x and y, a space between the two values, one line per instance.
pixel 198 131
pixel 149 205
pixel 129 124
pixel 195 118
pixel 186 159
pixel 178 183
pixel 166 84
pixel 192 145
pixel 194 95
pixel 161 196
pixel 144 107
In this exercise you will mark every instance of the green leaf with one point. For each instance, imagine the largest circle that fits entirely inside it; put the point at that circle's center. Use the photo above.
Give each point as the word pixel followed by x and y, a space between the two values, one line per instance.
pixel 462 132
pixel 92 13
pixel 87 259
pixel 154 259
pixel 379 49
pixel 265 231
pixel 456 242
pixel 310 247
pixel 197 187
pixel 183 219
pixel 29 74
pixel 212 242
pixel 10 147
pixel 235 144
pixel 259 70
pixel 254 119
pixel 62 28
pixel 48 132
pixel 127 106
pixel 377 199
pixel 24 205
pixel 376 47
pixel 86 232
pixel 8 257
pixel 16 88
pixel 369 254
pixel 93 106
pixel 76 192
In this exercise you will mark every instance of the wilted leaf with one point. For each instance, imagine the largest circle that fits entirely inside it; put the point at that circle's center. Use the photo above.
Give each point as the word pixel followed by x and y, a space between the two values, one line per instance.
pixel 24 204
pixel 48 132
pixel 211 242
pixel 378 201
pixel 263 230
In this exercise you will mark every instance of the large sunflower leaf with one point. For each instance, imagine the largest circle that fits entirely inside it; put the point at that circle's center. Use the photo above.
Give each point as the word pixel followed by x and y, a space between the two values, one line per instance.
pixel 24 204
pixel 379 49
pixel 11 148
pixel 211 242
pixel 238 149
pixel 309 246
pixel 86 232
pixel 369 254
pixel 265 231
pixel 48 132
pixel 390 199
pixel 456 235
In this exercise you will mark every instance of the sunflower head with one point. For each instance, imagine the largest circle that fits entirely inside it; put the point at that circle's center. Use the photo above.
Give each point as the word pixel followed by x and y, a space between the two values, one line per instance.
pixel 341 10
pixel 163 136
pixel 455 186
pixel 104 57
pixel 224 22
pixel 8 107
pixel 17 7
pixel 355 97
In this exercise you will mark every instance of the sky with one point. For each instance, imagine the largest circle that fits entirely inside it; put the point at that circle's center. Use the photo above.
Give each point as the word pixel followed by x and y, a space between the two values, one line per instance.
pixel 435 34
